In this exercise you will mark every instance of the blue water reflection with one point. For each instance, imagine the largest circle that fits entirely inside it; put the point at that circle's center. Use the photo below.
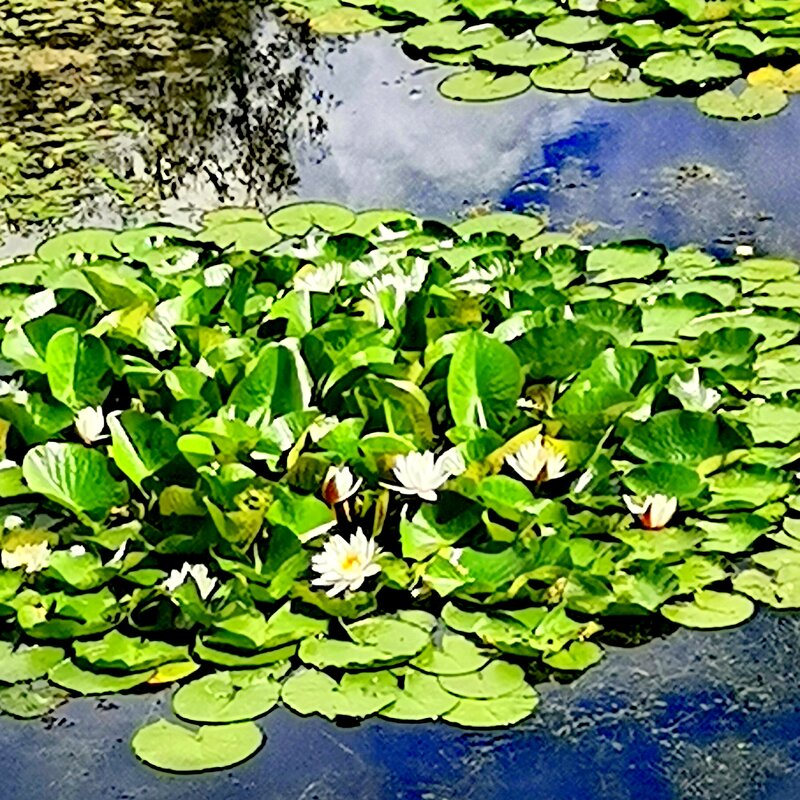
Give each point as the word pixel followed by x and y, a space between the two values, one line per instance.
pixel 698 716
pixel 659 169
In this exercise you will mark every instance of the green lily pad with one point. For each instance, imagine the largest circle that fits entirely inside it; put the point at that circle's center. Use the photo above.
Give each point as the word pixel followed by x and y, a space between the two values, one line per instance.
pixel 176 748
pixel 229 696
pixel 482 86
pixel 710 610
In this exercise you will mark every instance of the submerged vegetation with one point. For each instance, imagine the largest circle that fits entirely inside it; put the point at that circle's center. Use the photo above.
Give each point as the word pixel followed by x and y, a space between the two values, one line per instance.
pixel 368 464
pixel 117 102
pixel 619 50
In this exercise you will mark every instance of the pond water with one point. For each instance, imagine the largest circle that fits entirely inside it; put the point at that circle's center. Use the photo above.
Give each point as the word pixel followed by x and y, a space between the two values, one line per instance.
pixel 697 715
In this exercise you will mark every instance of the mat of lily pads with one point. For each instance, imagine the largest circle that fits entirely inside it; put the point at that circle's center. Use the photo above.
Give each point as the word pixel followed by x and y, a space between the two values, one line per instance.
pixel 364 463
pixel 619 50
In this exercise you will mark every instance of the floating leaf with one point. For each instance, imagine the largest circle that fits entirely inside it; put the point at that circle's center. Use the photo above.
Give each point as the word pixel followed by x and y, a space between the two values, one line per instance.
pixel 176 748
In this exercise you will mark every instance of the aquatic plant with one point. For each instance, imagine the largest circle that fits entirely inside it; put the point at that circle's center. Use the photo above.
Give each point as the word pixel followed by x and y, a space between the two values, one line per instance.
pixel 326 498
pixel 619 50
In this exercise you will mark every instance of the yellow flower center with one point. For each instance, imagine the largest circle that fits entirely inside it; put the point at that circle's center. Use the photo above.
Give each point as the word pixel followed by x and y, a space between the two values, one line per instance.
pixel 350 561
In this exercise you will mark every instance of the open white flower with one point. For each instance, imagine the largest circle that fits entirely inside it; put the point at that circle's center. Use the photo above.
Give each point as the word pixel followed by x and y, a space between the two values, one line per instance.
pixel 319 279
pixel 344 565
pixel 422 473
pixel 387 285
pixel 198 573
pixel 692 394
pixel 217 275
pixel 479 280
pixel 655 511
pixel 339 485
pixel 30 557
pixel 12 522
pixel 537 461
pixel 89 423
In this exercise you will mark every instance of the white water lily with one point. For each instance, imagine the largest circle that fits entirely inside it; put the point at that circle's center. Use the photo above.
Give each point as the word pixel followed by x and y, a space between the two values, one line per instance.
pixel 90 423
pixel 77 550
pixel 537 461
pixel 744 250
pixel 583 481
pixel 217 275
pixel 14 390
pixel 319 279
pixel 422 473
pixel 692 394
pixel 12 522
pixel 30 557
pixel 386 234
pixel 118 555
pixel 310 250
pixel 385 285
pixel 198 573
pixel 204 368
pixel 654 512
pixel 339 485
pixel 479 280
pixel 344 565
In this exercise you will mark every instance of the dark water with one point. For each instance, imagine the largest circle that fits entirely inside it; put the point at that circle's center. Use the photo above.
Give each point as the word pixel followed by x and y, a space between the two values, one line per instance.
pixel 699 716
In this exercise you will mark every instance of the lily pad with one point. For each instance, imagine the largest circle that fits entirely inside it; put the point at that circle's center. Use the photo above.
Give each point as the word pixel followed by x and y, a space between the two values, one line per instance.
pixel 176 748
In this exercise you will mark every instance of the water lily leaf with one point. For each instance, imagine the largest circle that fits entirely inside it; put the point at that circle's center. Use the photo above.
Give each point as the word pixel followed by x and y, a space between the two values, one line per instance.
pixel 70 676
pixel 494 712
pixel 177 748
pixel 623 262
pixel 454 655
pixel 75 477
pixel 754 102
pixel 356 695
pixel 682 437
pixel 77 367
pixel 115 651
pixel 710 610
pixel 26 701
pixel 376 641
pixel 483 85
pixel 223 658
pixel 27 663
pixel 520 54
pixel 72 247
pixel 577 657
pixel 422 698
pixel 230 696
pixel 484 382
pixel 575 74
pixel 573 29
pixel 494 680
pixel 298 219
pixel 523 226
pixel 622 90
pixel 682 67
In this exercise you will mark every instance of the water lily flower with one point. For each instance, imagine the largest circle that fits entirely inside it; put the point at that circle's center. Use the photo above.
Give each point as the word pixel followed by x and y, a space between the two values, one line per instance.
pixel 479 280
pixel 537 461
pixel 310 250
pixel 319 279
pixel 15 390
pixel 217 275
pixel 89 423
pixel 344 565
pixel 339 485
pixel 12 521
pixel 692 394
pixel 744 250
pixel 583 481
pixel 422 473
pixel 77 550
pixel 198 573
pixel 384 284
pixel 31 557
pixel 655 512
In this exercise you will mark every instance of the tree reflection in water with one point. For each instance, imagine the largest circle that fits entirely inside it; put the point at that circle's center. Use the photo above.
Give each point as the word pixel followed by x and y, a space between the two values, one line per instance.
pixel 112 105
